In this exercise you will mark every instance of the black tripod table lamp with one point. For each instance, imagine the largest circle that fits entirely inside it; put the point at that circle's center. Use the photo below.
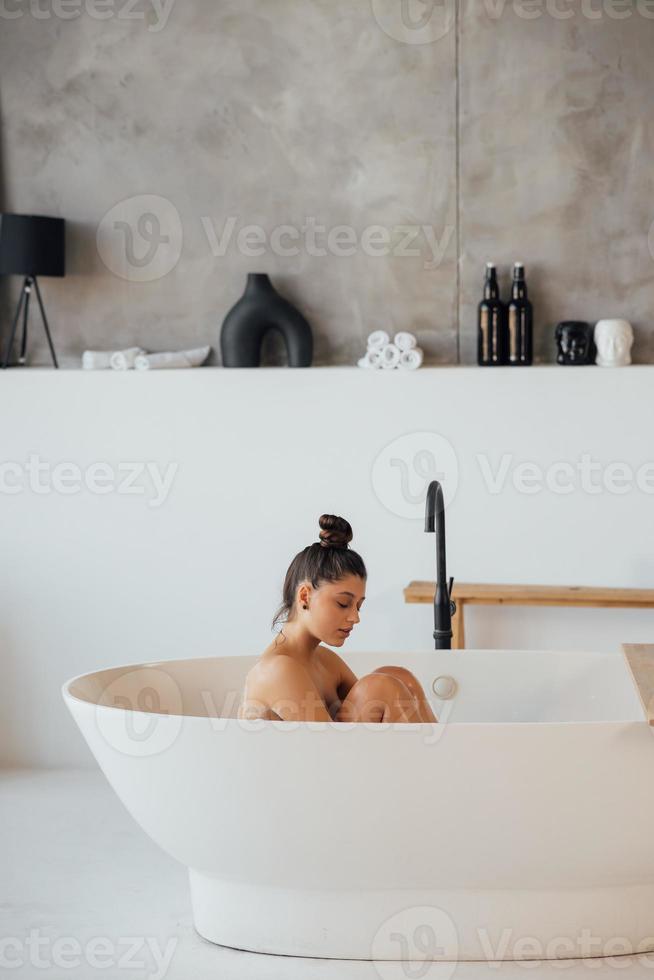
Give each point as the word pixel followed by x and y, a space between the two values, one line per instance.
pixel 30 246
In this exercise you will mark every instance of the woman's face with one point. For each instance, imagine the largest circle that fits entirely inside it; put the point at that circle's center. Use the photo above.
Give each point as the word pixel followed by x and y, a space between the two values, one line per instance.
pixel 334 608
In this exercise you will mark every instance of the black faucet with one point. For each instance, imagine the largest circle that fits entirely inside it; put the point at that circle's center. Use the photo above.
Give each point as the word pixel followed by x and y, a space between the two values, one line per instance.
pixel 444 606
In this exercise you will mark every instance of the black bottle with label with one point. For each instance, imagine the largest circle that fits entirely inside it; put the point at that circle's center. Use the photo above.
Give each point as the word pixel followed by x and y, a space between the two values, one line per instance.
pixel 520 318
pixel 491 322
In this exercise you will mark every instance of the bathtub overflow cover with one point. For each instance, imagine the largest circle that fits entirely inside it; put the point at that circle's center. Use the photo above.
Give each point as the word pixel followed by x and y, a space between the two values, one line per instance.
pixel 444 687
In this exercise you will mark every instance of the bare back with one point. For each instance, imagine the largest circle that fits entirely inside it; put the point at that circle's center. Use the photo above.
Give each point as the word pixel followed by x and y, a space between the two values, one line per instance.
pixel 266 684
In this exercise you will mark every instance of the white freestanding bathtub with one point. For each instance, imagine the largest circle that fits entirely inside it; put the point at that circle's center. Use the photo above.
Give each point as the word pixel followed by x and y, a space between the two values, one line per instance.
pixel 520 827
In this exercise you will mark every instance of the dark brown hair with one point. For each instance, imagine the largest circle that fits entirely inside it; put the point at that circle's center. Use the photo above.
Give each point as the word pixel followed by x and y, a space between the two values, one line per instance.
pixel 328 559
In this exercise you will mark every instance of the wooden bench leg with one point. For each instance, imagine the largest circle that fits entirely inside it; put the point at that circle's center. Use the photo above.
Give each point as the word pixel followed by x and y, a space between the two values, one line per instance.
pixel 458 630
pixel 640 660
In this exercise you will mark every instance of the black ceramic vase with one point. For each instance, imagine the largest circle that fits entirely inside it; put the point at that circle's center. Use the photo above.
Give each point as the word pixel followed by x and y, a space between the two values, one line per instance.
pixel 260 309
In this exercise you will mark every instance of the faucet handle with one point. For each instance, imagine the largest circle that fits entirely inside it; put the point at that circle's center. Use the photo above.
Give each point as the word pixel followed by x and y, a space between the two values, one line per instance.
pixel 449 592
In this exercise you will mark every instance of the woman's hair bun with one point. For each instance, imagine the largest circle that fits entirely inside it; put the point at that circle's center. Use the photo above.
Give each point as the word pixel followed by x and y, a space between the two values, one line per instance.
pixel 335 531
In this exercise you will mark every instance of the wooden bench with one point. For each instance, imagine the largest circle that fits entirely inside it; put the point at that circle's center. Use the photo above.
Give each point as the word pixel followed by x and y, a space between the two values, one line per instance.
pixel 471 594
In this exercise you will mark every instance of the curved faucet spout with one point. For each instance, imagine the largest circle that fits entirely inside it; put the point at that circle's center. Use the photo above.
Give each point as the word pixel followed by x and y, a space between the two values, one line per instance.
pixel 443 604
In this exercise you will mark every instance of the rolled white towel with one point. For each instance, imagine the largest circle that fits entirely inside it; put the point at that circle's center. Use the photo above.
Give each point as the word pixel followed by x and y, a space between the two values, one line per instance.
pixel 123 360
pixel 390 356
pixel 410 360
pixel 172 359
pixel 405 340
pixel 378 339
pixel 371 360
pixel 96 360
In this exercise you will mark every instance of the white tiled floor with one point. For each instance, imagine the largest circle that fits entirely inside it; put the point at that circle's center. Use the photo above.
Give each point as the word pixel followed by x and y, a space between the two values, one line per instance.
pixel 73 863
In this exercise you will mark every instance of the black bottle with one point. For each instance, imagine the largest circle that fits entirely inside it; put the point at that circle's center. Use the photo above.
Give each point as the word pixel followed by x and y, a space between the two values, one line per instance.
pixel 520 319
pixel 491 322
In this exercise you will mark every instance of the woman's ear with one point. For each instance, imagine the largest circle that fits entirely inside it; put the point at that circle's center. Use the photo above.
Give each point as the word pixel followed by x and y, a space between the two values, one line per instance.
pixel 304 594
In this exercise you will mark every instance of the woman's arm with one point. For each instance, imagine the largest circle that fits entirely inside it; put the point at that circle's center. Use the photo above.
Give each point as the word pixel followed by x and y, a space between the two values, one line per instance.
pixel 347 682
pixel 291 692
pixel 346 677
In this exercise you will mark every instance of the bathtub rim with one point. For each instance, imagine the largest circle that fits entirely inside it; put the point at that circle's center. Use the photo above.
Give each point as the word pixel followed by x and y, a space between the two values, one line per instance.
pixel 264 723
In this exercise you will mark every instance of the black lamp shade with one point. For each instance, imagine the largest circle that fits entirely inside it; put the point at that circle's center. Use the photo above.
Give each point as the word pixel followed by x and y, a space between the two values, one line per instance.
pixel 31 245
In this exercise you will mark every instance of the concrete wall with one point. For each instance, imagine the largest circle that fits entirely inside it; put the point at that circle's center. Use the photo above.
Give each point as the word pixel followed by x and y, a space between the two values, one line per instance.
pixel 438 134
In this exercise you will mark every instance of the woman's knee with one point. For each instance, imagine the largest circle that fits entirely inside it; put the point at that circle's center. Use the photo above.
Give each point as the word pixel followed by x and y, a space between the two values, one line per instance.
pixel 375 696
pixel 405 676
pixel 378 681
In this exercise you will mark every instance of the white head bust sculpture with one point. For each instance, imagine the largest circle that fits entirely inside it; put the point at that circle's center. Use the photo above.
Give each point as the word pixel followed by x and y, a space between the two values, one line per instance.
pixel 613 339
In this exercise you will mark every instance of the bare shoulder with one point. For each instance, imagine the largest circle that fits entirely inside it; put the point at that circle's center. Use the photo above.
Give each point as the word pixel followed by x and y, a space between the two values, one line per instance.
pixel 290 690
pixel 279 669
pixel 329 657
pixel 336 664
pixel 266 680
pixel 277 665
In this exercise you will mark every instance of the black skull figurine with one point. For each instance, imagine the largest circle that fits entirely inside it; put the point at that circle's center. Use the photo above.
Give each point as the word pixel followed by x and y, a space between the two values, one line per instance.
pixel 574 339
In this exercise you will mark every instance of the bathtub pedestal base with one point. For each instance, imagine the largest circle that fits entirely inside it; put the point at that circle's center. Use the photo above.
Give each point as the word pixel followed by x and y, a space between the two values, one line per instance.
pixel 408 924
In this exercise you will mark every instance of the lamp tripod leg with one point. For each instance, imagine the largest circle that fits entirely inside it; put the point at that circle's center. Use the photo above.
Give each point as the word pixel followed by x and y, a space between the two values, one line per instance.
pixel 45 322
pixel 26 308
pixel 10 342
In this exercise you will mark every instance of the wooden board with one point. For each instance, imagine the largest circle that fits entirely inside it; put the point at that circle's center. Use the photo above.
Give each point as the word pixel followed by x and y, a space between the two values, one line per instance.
pixel 640 660
pixel 534 595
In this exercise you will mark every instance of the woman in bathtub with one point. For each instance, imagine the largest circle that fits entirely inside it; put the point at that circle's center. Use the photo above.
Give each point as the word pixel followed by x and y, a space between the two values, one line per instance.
pixel 298 679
